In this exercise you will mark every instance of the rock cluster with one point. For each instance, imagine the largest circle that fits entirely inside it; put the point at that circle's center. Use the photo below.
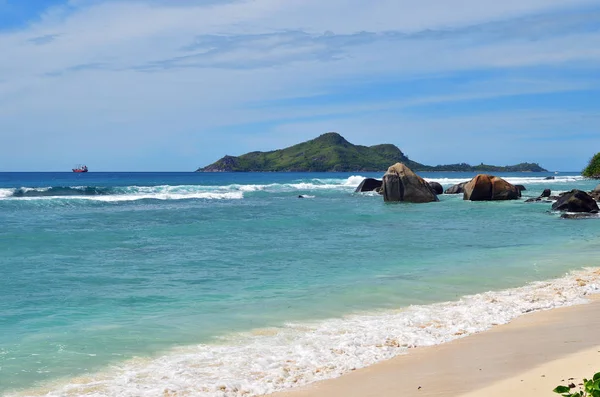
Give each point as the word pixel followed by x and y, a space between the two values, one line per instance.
pixel 401 184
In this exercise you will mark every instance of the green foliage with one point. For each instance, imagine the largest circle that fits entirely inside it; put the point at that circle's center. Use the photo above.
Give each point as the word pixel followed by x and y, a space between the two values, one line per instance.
pixel 331 152
pixel 593 168
pixel 591 388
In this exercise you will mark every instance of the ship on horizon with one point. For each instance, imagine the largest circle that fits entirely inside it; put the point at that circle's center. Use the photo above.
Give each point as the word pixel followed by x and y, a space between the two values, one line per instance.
pixel 80 168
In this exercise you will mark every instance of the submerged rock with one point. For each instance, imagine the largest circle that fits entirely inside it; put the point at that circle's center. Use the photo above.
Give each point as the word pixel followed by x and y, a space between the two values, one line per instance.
pixel 456 189
pixel 549 178
pixel 543 198
pixel 581 215
pixel 576 201
pixel 369 185
pixel 488 187
pixel 400 183
pixel 538 200
pixel 521 188
pixel 436 187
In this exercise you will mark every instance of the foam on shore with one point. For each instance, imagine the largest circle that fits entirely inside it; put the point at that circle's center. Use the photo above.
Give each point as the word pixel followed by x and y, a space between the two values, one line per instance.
pixel 268 360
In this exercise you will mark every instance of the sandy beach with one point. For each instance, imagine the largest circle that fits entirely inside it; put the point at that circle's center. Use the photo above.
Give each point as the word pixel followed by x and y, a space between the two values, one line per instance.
pixel 529 356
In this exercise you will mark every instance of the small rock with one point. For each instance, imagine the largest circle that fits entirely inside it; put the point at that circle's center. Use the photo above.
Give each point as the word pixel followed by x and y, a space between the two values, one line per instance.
pixel 436 187
pixel 369 185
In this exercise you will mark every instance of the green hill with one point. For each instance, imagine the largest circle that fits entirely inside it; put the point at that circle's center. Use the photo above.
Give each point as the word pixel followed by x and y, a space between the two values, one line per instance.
pixel 331 152
pixel 593 168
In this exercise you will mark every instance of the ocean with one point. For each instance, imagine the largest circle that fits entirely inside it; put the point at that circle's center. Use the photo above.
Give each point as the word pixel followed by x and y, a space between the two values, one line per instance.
pixel 180 284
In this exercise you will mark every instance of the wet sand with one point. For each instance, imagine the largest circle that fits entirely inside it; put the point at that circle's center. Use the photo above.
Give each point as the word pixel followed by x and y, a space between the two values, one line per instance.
pixel 531 356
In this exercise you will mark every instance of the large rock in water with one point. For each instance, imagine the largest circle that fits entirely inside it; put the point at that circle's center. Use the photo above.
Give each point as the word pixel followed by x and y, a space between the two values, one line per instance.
pixel 368 185
pixel 401 184
pixel 488 187
pixel 436 187
pixel 456 189
pixel 576 201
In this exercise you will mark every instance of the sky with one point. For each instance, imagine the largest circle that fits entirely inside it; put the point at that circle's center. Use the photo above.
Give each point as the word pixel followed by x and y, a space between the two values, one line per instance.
pixel 172 85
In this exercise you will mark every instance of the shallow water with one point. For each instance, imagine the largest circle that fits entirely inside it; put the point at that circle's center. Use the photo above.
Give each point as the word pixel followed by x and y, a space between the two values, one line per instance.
pixel 109 279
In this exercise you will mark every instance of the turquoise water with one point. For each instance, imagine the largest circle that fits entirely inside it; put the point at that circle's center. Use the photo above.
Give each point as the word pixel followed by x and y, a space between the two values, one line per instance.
pixel 102 268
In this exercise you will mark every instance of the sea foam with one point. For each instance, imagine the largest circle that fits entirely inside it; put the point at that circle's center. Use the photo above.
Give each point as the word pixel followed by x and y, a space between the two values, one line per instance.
pixel 268 360
pixel 225 192
pixel 447 182
pixel 171 192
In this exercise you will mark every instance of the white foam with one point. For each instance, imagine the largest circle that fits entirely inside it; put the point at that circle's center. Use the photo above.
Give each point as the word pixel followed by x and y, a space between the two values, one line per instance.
pixel 354 180
pixel 269 360
pixel 514 180
pixel 6 193
pixel 155 196
pixel 181 192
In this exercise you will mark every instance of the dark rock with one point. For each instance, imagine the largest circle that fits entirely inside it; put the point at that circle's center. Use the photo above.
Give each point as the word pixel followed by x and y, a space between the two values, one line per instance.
pixel 436 187
pixel 521 188
pixel 549 178
pixel 581 215
pixel 576 201
pixel 379 190
pixel 546 193
pixel 456 189
pixel 488 187
pixel 401 184
pixel 537 200
pixel 368 185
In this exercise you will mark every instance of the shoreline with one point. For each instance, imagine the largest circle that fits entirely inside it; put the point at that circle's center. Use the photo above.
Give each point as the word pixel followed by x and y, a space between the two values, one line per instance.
pixel 531 355
pixel 358 354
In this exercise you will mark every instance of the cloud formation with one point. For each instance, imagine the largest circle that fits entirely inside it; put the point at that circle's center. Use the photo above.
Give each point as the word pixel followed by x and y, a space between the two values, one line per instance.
pixel 166 84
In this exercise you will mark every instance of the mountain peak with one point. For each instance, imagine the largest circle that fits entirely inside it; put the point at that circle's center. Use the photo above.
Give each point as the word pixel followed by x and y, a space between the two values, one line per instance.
pixel 331 138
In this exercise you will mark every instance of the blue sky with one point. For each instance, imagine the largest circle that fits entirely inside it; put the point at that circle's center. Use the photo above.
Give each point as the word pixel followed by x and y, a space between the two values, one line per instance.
pixel 157 85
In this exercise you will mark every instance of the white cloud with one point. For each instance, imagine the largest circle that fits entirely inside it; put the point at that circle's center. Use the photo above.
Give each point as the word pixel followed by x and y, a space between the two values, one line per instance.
pixel 147 74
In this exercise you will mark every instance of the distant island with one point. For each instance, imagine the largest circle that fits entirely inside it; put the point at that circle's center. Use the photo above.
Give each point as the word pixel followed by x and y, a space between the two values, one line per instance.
pixel 332 153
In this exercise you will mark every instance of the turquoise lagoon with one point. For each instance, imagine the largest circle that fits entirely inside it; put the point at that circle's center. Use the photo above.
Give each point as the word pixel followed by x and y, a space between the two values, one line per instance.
pixel 118 284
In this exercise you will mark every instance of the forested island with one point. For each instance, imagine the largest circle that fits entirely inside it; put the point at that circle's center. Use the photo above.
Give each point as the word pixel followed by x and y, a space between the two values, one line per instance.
pixel 331 152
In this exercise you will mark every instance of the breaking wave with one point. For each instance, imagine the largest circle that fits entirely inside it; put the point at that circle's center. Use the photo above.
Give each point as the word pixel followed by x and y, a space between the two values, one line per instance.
pixel 171 192
pixel 558 180
pixel 227 192
pixel 269 360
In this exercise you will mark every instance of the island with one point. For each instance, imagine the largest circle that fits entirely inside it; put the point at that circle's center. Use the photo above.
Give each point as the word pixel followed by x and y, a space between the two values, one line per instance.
pixel 331 152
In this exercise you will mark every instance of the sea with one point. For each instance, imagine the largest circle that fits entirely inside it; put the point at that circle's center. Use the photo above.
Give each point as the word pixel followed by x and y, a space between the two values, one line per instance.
pixel 231 284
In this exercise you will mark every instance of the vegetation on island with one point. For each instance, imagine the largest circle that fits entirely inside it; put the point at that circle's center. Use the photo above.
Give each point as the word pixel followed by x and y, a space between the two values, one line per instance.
pixel 589 388
pixel 593 168
pixel 332 153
